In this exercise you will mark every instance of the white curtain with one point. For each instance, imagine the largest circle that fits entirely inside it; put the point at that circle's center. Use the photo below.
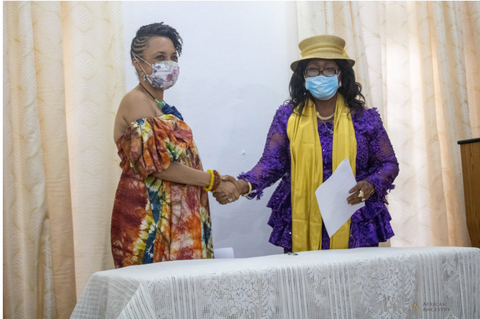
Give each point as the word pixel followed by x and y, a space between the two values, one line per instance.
pixel 64 78
pixel 419 64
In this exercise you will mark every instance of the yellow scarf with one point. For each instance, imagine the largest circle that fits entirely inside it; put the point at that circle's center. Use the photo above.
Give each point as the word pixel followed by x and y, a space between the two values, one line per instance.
pixel 307 173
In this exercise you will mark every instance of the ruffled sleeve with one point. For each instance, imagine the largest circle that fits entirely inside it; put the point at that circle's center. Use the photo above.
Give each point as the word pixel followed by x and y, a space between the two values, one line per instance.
pixel 150 145
pixel 275 161
pixel 382 161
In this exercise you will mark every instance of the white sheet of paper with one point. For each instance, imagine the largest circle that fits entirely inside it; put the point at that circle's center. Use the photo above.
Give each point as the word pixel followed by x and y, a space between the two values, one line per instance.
pixel 332 198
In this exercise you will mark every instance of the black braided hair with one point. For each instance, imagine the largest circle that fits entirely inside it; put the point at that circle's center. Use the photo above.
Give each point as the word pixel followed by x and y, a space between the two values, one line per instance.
pixel 350 89
pixel 139 43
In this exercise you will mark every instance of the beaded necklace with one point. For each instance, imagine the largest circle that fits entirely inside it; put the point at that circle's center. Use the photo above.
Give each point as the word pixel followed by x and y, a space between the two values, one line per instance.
pixel 164 107
pixel 324 119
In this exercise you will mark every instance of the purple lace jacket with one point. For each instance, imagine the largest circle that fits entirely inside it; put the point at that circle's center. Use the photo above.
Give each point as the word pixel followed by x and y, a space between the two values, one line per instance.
pixel 376 163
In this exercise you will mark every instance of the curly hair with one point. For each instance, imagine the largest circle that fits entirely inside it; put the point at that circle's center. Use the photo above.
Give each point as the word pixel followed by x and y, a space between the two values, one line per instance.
pixel 140 41
pixel 350 89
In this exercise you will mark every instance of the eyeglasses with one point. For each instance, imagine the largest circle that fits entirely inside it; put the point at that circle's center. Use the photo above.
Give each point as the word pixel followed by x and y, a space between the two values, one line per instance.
pixel 312 72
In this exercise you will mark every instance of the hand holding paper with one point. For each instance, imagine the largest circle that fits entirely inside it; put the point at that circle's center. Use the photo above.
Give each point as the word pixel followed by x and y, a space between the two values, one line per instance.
pixel 332 198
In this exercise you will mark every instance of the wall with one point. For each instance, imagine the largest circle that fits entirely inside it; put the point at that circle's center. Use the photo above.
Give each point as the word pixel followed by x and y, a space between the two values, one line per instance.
pixel 234 73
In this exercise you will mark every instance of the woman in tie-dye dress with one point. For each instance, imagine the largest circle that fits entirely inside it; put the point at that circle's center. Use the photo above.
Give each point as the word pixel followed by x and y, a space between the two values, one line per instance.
pixel 161 209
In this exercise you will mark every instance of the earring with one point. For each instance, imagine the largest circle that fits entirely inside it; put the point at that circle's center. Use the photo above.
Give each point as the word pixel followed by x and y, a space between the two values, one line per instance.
pixel 144 77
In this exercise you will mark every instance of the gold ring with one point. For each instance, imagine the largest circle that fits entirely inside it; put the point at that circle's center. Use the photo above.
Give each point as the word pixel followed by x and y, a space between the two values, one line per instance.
pixel 360 194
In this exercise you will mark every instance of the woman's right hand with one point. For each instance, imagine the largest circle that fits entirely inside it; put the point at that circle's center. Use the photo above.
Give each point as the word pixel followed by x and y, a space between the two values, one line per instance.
pixel 228 191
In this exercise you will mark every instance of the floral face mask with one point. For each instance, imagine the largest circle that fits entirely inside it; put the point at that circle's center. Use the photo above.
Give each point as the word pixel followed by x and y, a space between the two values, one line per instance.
pixel 164 74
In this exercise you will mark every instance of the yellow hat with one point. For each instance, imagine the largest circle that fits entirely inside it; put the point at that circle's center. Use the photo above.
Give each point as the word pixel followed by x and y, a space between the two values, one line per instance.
pixel 322 47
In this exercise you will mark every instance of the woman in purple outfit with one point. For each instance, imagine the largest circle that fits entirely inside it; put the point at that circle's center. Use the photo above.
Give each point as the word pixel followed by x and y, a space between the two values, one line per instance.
pixel 327 102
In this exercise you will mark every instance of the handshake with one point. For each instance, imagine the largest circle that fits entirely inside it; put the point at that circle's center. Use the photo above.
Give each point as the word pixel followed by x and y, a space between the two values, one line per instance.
pixel 230 190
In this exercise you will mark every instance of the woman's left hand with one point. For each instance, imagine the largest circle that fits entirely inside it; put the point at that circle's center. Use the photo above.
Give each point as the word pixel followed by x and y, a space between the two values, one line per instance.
pixel 362 188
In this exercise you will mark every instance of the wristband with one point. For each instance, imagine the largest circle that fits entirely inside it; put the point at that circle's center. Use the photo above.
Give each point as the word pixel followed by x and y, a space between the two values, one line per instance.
pixel 249 189
pixel 212 180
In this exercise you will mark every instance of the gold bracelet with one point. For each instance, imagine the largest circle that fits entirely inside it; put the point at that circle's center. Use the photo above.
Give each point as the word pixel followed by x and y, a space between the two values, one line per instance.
pixel 212 180
pixel 249 189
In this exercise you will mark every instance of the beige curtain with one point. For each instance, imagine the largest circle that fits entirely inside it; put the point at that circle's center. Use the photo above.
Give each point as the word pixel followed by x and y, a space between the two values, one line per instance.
pixel 419 64
pixel 63 80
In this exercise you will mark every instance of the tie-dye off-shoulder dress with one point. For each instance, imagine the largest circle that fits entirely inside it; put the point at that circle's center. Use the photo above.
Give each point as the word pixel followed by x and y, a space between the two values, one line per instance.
pixel 155 220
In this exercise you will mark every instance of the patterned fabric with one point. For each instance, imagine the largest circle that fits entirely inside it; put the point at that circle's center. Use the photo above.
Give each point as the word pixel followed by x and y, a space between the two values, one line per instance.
pixel 376 163
pixel 167 109
pixel 155 220
pixel 164 74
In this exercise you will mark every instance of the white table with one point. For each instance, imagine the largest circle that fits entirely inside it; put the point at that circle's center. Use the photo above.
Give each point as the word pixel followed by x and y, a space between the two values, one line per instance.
pixel 423 282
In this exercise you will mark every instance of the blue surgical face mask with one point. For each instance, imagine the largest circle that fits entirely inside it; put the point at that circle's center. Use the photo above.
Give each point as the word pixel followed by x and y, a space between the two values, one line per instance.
pixel 322 87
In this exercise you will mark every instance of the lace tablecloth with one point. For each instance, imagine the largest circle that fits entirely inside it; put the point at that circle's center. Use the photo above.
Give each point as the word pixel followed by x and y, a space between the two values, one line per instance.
pixel 430 282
